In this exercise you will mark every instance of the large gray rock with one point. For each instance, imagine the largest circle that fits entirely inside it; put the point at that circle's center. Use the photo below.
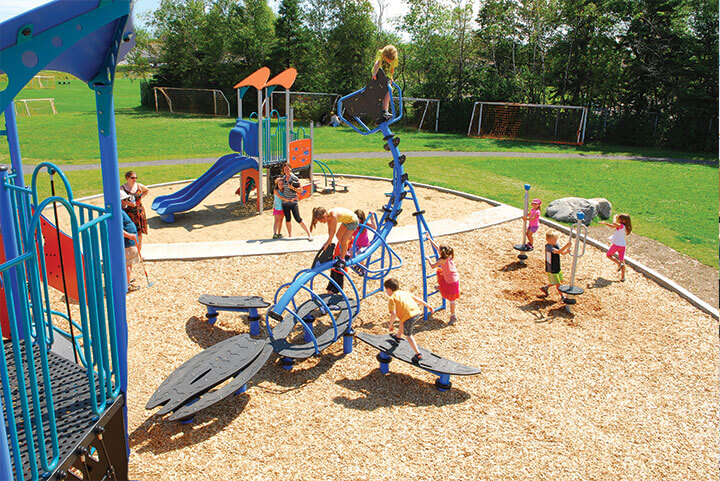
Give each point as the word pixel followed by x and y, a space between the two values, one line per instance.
pixel 564 210
pixel 604 207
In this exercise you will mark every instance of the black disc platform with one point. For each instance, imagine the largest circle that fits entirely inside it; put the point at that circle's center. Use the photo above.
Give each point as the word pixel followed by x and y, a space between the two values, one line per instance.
pixel 402 351
pixel 233 302
pixel 523 248
pixel 572 290
pixel 312 308
pixel 368 103
pixel 75 420
pixel 189 388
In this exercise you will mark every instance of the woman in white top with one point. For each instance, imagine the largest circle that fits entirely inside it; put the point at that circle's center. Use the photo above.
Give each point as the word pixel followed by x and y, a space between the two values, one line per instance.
pixel 133 204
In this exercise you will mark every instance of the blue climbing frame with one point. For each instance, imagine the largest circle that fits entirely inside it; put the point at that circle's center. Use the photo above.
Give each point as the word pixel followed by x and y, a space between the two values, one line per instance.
pixel 85 38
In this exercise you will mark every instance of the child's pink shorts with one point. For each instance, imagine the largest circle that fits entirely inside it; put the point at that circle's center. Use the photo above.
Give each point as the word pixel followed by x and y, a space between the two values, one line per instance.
pixel 278 212
pixel 620 252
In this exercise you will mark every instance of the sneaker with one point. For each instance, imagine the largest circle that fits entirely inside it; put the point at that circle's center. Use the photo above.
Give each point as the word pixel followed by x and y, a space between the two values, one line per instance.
pixel 452 320
pixel 395 338
pixel 310 238
pixel 277 236
pixel 386 115
pixel 545 290
pixel 529 247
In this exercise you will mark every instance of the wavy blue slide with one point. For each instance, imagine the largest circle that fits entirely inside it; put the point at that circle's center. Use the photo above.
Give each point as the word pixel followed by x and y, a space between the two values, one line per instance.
pixel 191 195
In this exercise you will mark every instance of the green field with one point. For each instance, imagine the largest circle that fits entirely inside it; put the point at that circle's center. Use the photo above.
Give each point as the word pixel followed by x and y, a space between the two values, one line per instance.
pixel 670 202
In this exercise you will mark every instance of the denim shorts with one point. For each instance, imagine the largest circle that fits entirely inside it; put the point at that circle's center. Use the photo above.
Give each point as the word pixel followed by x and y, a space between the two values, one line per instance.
pixel 409 324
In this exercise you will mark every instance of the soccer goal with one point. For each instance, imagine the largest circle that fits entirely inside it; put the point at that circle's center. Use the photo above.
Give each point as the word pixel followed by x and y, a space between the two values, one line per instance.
pixel 423 113
pixel 191 101
pixel 561 124
pixel 30 107
pixel 315 106
pixel 41 82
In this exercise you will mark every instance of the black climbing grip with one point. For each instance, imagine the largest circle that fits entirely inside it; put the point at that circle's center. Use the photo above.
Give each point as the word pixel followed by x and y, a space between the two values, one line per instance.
pixel 391 164
pixel 401 159
pixel 404 177
pixel 386 209
pixel 275 315
pixel 394 222
pixel 420 212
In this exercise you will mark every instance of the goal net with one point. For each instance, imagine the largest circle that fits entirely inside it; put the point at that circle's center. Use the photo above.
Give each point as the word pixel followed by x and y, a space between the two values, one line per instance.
pixel 191 101
pixel 307 106
pixel 31 107
pixel 41 82
pixel 561 124
pixel 422 114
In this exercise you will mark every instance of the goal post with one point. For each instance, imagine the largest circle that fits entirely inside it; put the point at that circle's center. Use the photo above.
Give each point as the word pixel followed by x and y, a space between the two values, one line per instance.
pixel 30 107
pixel 561 124
pixel 425 112
pixel 41 82
pixel 191 101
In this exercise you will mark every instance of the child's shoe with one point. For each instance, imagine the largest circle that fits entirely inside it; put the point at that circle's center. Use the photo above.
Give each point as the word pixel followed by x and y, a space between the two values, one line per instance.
pixel 385 115
pixel 452 320
pixel 417 358
pixel 545 290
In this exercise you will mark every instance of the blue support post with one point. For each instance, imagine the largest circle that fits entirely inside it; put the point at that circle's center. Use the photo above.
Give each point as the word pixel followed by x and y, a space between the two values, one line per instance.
pixel 7 226
pixel 111 192
pixel 254 326
pixel 287 363
pixel 443 383
pixel 348 341
pixel 307 336
pixel 242 389
pixel 14 143
pixel 212 315
pixel 384 360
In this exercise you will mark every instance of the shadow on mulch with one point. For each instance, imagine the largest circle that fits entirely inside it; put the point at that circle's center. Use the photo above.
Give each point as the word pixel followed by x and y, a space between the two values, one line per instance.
pixel 601 283
pixel 396 389
pixel 513 266
pixel 537 307
pixel 159 436
pixel 204 334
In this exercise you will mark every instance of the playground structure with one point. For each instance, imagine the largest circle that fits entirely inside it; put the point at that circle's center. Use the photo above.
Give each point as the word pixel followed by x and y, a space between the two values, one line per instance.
pixel 64 418
pixel 264 141
pixel 302 323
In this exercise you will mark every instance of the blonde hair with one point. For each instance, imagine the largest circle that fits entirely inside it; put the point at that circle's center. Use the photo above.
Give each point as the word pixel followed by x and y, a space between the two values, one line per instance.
pixel 318 213
pixel 360 215
pixel 551 235
pixel 389 52
pixel 624 219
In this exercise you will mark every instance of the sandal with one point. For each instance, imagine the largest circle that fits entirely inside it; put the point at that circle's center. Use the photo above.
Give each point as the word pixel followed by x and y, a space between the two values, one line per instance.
pixel 417 358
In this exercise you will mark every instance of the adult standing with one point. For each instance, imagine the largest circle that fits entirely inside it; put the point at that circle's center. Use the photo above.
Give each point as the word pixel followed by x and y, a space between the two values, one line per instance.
pixel 291 189
pixel 133 206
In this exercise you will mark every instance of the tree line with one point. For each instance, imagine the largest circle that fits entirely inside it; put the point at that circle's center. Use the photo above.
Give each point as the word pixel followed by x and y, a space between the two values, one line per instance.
pixel 648 69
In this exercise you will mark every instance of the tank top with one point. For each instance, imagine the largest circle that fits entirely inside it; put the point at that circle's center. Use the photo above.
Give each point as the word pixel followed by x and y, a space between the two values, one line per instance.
pixel 618 237
pixel 345 216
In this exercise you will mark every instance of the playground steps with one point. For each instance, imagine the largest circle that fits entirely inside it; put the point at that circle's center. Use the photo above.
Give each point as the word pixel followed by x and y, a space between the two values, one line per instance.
pixel 319 186
pixel 209 250
pixel 78 426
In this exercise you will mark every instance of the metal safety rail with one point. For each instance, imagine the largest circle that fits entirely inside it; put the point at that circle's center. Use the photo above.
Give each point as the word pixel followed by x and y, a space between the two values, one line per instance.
pixel 25 358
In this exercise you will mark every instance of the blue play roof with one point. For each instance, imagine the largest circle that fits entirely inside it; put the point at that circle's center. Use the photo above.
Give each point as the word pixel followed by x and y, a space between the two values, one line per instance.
pixel 86 56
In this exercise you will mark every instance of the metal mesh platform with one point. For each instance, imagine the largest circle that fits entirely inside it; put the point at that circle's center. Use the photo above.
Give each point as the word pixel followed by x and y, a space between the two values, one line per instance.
pixel 71 396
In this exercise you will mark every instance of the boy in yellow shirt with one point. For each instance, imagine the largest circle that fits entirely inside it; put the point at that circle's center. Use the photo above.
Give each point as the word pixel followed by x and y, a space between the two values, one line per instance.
pixel 404 306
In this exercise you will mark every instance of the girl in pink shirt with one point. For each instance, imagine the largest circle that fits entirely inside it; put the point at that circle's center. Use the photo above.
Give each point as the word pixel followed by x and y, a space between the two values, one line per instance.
pixel 533 219
pixel 447 275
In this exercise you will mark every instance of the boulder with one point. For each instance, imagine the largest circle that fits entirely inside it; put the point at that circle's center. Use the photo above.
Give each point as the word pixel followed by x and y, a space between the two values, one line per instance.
pixel 604 207
pixel 564 209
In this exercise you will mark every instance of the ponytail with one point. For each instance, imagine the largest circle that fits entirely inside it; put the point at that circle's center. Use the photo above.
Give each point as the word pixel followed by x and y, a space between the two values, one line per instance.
pixel 624 219
pixel 317 213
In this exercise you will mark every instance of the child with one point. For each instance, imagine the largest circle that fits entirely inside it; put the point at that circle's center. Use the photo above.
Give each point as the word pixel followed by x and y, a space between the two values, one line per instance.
pixel 361 239
pixel 404 306
pixel 533 219
pixel 387 58
pixel 552 263
pixel 622 226
pixel 130 238
pixel 447 275
pixel 278 212
pixel 348 223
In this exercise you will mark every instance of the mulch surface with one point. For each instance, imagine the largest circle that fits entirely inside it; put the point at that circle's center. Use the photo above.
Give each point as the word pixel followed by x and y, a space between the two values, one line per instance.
pixel 624 388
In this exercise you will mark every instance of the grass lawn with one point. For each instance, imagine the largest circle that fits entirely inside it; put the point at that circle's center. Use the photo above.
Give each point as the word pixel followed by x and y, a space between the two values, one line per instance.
pixel 145 135
pixel 672 203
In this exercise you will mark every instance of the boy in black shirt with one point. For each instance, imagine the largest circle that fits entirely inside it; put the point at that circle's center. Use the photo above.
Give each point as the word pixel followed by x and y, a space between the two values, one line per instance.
pixel 552 263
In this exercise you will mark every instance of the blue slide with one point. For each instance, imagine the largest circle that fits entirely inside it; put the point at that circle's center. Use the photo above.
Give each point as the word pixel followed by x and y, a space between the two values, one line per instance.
pixel 191 195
